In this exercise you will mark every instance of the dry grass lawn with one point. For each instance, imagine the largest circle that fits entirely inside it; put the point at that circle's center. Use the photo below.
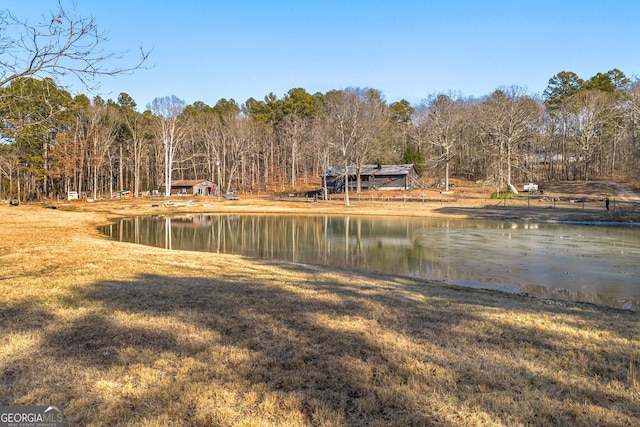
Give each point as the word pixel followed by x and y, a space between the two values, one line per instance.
pixel 122 334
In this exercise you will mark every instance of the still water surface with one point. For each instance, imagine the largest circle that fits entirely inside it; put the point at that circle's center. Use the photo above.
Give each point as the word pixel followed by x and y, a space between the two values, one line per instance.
pixel 591 263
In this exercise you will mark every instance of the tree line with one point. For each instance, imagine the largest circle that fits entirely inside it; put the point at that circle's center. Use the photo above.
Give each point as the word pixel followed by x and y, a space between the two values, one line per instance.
pixel 54 142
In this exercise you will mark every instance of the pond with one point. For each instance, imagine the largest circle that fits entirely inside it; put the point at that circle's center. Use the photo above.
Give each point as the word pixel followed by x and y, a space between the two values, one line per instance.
pixel 589 263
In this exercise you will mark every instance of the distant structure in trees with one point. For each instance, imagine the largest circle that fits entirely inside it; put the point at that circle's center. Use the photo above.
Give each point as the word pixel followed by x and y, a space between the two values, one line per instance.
pixel 373 177
pixel 191 187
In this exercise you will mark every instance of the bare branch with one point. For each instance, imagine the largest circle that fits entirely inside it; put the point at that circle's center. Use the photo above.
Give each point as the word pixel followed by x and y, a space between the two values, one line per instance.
pixel 63 44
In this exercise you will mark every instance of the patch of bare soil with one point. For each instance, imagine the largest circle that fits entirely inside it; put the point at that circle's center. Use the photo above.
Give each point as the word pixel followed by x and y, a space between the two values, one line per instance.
pixel 594 189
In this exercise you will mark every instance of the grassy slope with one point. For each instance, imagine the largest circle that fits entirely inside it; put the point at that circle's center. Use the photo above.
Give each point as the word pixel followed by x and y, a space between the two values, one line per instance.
pixel 127 335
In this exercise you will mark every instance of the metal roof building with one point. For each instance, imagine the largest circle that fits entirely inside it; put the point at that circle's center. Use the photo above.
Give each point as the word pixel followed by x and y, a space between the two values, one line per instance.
pixel 373 177
pixel 190 187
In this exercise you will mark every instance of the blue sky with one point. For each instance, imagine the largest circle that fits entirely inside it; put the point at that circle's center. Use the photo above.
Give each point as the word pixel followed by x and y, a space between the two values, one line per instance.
pixel 208 50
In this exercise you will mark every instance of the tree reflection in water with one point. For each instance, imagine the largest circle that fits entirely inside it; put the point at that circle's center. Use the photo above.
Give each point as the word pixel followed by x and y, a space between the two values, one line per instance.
pixel 565 261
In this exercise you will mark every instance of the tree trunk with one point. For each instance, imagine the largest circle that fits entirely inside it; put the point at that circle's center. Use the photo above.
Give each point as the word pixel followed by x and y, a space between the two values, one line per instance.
pixel 346 183
pixel 167 171
pixel 121 172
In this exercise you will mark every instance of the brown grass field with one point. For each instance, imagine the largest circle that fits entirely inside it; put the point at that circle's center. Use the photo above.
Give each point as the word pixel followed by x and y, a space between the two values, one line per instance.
pixel 122 334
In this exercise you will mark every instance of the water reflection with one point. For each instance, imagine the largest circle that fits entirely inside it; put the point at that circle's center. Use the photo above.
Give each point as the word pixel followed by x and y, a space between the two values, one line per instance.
pixel 576 262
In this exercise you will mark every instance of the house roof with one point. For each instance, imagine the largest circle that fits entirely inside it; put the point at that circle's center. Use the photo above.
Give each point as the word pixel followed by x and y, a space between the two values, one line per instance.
pixel 369 170
pixel 395 170
pixel 189 182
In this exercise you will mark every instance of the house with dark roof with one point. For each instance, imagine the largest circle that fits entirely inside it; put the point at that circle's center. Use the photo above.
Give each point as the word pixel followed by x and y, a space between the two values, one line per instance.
pixel 373 177
pixel 191 187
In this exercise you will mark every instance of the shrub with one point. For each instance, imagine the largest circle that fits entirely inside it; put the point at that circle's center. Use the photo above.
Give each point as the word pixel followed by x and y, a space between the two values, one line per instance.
pixel 502 194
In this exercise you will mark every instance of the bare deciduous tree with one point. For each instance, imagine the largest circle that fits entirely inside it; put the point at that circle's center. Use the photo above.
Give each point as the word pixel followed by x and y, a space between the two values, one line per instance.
pixel 442 119
pixel 137 126
pixel 62 44
pixel 591 114
pixel 343 115
pixel 170 130
pixel 374 118
pixel 509 119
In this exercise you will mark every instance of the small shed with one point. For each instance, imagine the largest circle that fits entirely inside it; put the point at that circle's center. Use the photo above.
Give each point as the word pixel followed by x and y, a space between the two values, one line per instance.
pixel 191 187
pixel 373 177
